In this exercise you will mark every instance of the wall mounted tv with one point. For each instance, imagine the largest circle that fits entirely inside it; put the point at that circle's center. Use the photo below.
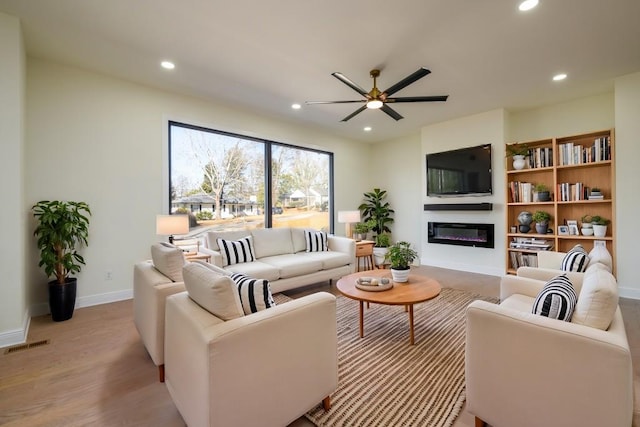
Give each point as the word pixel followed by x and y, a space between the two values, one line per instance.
pixel 462 172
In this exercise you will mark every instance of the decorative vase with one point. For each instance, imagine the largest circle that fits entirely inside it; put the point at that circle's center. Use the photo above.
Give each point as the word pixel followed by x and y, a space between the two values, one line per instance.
pixel 518 162
pixel 587 229
pixel 524 218
pixel 599 230
pixel 400 276
pixel 541 228
pixel 62 299
pixel 543 196
pixel 359 236
pixel 379 255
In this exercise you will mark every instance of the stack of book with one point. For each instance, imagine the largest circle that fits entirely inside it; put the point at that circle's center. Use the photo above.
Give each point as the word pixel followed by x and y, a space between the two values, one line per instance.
pixel 519 259
pixel 521 192
pixel 531 244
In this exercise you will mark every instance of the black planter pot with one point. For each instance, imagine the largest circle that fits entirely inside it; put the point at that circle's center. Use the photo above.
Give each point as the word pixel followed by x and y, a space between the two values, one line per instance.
pixel 62 299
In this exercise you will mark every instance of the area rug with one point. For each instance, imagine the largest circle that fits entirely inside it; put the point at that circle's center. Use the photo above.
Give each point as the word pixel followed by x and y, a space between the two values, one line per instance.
pixel 383 381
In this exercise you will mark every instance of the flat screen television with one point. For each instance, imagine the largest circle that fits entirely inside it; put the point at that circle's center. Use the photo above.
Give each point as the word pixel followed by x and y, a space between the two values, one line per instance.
pixel 462 172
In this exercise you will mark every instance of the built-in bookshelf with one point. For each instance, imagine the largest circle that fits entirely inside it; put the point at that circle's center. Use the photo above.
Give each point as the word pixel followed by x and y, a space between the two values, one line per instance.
pixel 571 168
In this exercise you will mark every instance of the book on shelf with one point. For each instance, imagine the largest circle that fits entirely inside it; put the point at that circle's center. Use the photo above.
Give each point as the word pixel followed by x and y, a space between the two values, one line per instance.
pixel 576 154
pixel 533 244
pixel 519 259
pixel 568 191
pixel 521 192
pixel 541 157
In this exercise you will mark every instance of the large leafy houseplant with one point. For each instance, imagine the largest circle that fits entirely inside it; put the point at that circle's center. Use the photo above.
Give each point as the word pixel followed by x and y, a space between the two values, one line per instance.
pixel 63 227
pixel 377 209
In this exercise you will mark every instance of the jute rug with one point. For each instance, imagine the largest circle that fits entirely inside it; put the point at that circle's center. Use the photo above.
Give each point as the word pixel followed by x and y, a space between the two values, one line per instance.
pixel 383 381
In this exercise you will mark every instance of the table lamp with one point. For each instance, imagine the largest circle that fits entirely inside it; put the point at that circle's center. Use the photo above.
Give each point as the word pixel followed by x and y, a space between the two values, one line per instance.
pixel 168 225
pixel 348 218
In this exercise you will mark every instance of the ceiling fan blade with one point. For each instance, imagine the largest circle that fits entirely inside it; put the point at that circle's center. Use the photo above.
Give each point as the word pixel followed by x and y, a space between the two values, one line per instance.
pixel 419 99
pixel 334 102
pixel 407 81
pixel 391 112
pixel 349 83
pixel 355 113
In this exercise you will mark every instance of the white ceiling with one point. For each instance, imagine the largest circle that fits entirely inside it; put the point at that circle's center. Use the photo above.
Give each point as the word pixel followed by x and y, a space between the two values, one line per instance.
pixel 264 55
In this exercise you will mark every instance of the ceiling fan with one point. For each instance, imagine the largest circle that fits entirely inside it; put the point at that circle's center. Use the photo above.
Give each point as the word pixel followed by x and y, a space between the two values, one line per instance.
pixel 375 99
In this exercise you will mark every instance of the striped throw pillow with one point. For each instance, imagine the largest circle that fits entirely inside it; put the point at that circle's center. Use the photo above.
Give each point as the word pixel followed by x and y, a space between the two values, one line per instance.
pixel 557 299
pixel 576 259
pixel 236 251
pixel 316 241
pixel 255 294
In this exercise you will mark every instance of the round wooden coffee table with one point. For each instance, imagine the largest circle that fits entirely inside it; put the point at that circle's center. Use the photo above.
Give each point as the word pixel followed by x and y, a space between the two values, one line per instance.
pixel 417 289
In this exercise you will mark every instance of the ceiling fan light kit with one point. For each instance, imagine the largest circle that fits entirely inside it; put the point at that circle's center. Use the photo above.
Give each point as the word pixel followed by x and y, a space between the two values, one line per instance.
pixel 374 99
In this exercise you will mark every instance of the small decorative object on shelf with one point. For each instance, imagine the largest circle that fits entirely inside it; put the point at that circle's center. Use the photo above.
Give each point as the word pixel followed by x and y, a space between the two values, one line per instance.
pixel 518 151
pixel 524 219
pixel 541 192
pixel 541 219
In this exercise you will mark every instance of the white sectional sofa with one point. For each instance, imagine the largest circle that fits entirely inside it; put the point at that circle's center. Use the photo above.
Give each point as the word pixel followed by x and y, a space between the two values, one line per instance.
pixel 282 257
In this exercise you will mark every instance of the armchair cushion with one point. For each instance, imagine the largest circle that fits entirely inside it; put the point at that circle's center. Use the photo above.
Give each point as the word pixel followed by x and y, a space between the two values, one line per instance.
pixel 556 300
pixel 316 241
pixel 217 293
pixel 255 294
pixel 598 299
pixel 237 251
pixel 168 260
pixel 576 259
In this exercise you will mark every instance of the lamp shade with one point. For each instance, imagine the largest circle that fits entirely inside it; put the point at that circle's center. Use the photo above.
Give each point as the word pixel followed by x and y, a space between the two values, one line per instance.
pixel 348 216
pixel 167 225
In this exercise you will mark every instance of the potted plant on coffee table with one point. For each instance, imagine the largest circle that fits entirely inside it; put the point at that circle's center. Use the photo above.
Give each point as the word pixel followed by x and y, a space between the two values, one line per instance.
pixel 63 227
pixel 400 255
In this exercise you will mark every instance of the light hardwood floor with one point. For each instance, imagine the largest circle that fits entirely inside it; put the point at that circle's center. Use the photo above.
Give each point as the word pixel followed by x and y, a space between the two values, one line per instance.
pixel 96 372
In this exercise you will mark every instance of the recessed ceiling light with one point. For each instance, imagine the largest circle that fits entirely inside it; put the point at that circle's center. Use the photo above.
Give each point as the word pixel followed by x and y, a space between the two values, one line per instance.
pixel 296 106
pixel 559 77
pixel 528 5
pixel 367 128
pixel 168 65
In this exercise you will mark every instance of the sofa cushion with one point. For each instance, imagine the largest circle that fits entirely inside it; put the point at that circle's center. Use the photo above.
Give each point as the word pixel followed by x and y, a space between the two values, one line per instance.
pixel 168 260
pixel 293 265
pixel 212 237
pixel 255 294
pixel 272 241
pixel 236 251
pixel 329 259
pixel 576 259
pixel 298 239
pixel 217 293
pixel 316 241
pixel 598 300
pixel 256 269
pixel 600 255
pixel 556 300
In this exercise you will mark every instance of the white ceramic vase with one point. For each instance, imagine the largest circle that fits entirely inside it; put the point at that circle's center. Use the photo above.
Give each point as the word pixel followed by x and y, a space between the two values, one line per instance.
pixel 379 254
pixel 599 230
pixel 518 162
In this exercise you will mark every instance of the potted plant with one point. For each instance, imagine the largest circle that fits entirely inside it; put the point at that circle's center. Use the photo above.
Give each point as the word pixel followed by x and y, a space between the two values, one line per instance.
pixel 63 227
pixel 400 255
pixel 541 219
pixel 587 226
pixel 361 229
pixel 377 209
pixel 518 152
pixel 381 247
pixel 542 192
pixel 599 224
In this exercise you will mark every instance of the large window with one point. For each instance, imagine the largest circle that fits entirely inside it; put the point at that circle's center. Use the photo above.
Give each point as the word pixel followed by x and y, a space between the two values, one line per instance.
pixel 226 181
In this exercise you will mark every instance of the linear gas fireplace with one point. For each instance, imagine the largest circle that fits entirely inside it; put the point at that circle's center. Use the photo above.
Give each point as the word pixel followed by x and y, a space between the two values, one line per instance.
pixel 460 233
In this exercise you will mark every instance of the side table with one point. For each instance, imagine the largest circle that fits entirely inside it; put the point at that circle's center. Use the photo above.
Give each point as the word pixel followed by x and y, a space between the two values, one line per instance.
pixel 192 256
pixel 364 249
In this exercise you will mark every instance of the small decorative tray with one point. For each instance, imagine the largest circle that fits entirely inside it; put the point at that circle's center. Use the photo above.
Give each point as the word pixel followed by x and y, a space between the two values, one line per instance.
pixel 373 284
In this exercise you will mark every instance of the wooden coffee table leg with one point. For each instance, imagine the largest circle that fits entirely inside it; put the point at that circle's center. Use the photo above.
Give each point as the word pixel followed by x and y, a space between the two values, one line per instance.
pixel 361 319
pixel 411 324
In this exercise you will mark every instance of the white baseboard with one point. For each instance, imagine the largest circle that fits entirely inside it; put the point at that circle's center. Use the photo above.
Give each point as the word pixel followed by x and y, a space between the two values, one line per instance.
pixel 631 293
pixel 19 336
pixel 480 269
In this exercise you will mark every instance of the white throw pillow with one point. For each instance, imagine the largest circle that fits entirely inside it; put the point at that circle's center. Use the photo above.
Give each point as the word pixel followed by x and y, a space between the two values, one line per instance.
pixel 316 241
pixel 236 251
pixel 217 293
pixel 598 299
pixel 255 294
pixel 168 260
pixel 600 254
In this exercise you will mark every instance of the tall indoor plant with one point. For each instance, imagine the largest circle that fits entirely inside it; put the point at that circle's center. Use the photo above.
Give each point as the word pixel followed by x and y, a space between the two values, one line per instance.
pixel 63 227
pixel 376 208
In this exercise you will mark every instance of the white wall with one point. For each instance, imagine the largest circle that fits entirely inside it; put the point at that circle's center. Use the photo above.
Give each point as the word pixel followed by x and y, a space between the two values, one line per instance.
pixel 14 315
pixel 396 168
pixel 101 140
pixel 627 124
pixel 484 128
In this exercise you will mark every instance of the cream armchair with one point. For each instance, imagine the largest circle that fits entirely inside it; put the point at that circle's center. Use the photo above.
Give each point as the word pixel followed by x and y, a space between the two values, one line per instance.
pixel 526 370
pixel 263 369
